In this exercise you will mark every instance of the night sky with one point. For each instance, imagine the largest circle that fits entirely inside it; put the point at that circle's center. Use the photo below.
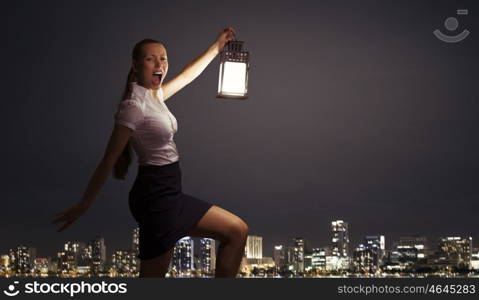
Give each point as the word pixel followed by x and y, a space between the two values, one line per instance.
pixel 356 111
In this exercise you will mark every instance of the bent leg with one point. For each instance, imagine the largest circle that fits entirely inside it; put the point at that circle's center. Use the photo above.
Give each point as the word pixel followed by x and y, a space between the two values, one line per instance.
pixel 231 231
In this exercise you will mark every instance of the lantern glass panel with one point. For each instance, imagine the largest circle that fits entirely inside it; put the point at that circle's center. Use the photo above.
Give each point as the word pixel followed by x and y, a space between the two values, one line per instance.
pixel 234 78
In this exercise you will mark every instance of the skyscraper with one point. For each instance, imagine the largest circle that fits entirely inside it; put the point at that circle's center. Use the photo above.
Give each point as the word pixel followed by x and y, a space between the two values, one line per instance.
pixel 298 244
pixel 183 255
pixel 279 256
pixel 365 259
pixel 319 258
pixel 408 250
pixel 368 257
pixel 98 253
pixel 456 250
pixel 340 240
pixel 376 243
pixel 21 259
pixel 135 241
pixel 64 263
pixel 254 247
pixel 41 265
pixel 5 262
pixel 133 260
pixel 207 255
pixel 72 253
pixel 298 254
pixel 123 263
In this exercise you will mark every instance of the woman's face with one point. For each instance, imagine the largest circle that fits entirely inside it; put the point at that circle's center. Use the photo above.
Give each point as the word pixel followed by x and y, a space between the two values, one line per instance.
pixel 152 66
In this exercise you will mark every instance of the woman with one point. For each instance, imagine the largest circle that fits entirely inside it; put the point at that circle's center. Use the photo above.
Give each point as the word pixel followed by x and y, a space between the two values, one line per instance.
pixel 163 212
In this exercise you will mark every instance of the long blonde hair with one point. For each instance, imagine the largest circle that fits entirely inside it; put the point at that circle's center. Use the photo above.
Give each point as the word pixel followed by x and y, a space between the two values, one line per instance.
pixel 124 160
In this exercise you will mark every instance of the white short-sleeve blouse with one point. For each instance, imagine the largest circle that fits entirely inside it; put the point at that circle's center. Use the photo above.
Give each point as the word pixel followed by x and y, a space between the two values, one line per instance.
pixel 153 126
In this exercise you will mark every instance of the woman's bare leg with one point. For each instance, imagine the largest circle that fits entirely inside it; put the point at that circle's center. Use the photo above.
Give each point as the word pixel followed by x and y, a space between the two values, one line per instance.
pixel 232 233
pixel 156 267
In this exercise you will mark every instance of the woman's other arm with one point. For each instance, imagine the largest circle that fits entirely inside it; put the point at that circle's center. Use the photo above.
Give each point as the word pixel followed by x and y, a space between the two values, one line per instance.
pixel 117 142
pixel 194 69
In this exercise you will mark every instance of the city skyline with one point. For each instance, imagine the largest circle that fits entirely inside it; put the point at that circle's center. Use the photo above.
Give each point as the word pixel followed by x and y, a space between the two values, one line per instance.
pixel 409 255
pixel 389 246
pixel 268 241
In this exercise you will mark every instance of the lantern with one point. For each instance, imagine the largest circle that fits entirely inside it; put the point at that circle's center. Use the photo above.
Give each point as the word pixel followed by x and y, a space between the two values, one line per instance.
pixel 234 67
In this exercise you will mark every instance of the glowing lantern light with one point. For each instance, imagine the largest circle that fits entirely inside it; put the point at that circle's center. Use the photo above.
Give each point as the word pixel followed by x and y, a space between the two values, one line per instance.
pixel 234 68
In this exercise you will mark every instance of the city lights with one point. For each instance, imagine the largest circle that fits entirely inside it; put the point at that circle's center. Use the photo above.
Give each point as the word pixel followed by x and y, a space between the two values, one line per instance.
pixel 409 256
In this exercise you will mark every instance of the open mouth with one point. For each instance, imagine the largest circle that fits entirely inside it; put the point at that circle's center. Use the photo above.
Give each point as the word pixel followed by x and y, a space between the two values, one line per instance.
pixel 157 77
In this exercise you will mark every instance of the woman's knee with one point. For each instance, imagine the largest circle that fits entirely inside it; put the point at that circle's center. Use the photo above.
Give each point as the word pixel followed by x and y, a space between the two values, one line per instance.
pixel 238 231
pixel 221 225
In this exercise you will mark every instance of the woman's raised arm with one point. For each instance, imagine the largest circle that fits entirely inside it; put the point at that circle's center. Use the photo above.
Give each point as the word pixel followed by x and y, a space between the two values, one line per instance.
pixel 117 142
pixel 194 69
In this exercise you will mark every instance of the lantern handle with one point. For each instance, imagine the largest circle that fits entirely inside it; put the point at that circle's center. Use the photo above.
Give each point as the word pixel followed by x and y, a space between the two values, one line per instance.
pixel 234 45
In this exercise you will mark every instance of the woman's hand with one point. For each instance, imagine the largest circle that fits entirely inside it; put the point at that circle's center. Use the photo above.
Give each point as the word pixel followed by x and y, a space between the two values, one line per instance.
pixel 224 37
pixel 194 68
pixel 70 215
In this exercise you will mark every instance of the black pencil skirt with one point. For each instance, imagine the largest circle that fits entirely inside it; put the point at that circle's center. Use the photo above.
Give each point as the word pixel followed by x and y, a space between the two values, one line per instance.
pixel 163 212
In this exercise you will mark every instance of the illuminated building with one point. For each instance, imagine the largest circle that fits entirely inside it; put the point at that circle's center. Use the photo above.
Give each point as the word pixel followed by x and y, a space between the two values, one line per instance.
pixel 75 254
pixel 254 247
pixel 377 243
pixel 337 263
pixel 207 255
pixel 412 247
pixel 135 250
pixel 123 262
pixel 319 258
pixel 98 254
pixel 4 263
pixel 298 254
pixel 41 266
pixel 475 259
pixel 407 253
pixel 367 257
pixel 279 256
pixel 183 255
pixel 452 252
pixel 64 264
pixel 340 240
pixel 21 259
pixel 136 241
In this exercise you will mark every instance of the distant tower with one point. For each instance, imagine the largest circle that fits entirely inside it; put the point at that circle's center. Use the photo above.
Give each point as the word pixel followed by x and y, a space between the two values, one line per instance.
pixel 340 241
pixel 319 257
pixel 5 262
pixel 183 255
pixel 74 253
pixel 377 242
pixel 22 258
pixel 298 244
pixel 98 253
pixel 124 262
pixel 409 250
pixel 134 261
pixel 254 247
pixel 279 256
pixel 298 253
pixel 368 257
pixel 207 255
pixel 136 241
pixel 457 250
